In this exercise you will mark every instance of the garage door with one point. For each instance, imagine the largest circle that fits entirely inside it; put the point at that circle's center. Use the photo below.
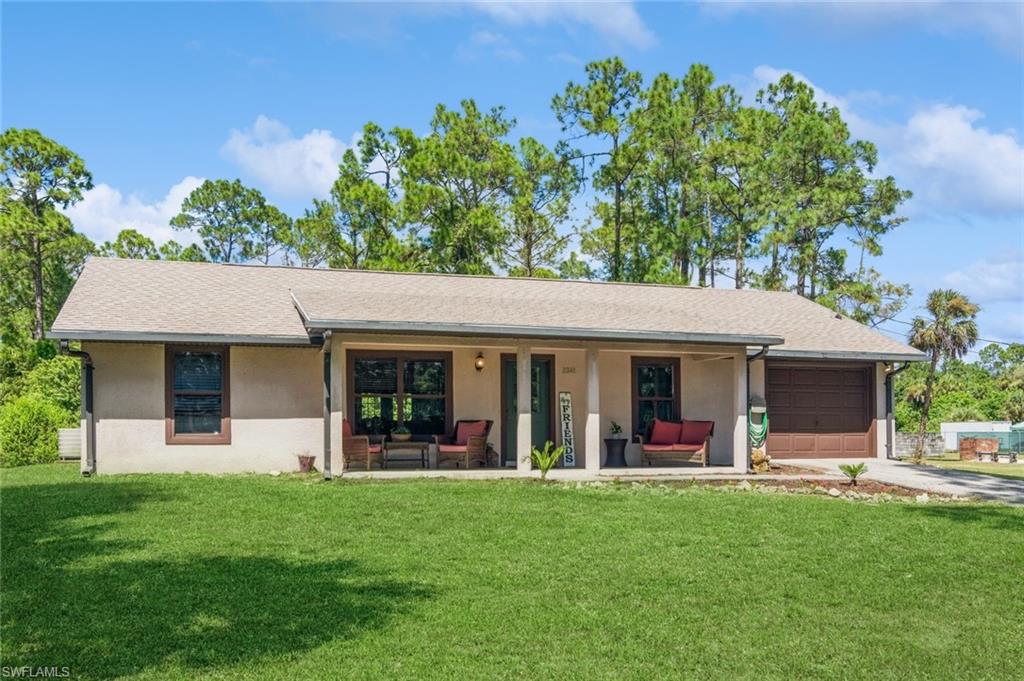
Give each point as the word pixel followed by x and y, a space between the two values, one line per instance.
pixel 817 411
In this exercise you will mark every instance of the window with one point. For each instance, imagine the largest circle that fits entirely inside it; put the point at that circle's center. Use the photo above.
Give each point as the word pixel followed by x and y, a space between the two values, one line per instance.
pixel 655 391
pixel 388 389
pixel 197 399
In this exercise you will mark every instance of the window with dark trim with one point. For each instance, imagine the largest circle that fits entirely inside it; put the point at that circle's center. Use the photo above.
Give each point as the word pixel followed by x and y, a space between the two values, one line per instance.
pixel 655 390
pixel 387 389
pixel 197 400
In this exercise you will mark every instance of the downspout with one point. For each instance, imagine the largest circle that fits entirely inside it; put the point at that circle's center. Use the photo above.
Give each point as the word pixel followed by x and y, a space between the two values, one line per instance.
pixel 757 355
pixel 87 406
pixel 327 405
pixel 889 426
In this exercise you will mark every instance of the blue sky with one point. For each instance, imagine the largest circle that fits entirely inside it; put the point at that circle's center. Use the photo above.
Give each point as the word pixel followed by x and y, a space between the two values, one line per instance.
pixel 157 96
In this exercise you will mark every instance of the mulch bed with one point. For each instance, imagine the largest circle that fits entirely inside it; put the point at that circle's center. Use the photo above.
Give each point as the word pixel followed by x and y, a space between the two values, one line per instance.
pixel 862 486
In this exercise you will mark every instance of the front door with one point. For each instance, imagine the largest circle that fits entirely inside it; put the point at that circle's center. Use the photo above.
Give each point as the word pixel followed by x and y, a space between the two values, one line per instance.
pixel 542 404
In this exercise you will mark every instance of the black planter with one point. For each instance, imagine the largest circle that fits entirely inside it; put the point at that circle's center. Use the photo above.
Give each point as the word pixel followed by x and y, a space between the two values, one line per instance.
pixel 616 447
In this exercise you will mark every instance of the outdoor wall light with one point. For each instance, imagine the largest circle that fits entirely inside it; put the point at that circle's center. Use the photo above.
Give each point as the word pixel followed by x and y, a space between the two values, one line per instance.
pixel 479 363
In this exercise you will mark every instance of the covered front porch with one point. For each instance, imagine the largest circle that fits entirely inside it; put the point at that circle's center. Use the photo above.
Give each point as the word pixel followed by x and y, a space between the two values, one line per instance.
pixel 524 392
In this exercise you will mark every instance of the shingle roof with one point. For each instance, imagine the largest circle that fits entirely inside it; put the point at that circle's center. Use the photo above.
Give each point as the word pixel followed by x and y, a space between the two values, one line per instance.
pixel 156 300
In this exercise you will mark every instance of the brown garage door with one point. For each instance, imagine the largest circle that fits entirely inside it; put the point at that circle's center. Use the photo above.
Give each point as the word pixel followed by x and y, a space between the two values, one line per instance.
pixel 819 411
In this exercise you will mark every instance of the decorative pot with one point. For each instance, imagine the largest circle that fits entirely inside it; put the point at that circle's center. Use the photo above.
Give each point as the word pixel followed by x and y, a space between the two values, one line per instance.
pixel 306 463
pixel 616 447
pixel 401 437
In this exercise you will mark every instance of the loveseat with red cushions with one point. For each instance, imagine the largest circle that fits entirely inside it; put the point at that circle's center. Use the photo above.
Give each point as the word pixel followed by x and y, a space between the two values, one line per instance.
pixel 683 441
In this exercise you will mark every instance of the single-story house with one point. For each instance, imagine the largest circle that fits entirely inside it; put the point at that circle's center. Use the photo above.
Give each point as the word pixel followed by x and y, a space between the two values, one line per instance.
pixel 231 368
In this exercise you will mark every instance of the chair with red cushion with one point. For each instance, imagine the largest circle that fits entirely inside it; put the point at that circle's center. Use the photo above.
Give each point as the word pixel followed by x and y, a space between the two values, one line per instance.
pixel 690 444
pixel 357 450
pixel 467 444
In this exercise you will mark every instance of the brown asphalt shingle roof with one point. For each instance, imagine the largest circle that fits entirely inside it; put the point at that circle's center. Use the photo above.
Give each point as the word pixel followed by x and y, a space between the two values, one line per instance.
pixel 154 300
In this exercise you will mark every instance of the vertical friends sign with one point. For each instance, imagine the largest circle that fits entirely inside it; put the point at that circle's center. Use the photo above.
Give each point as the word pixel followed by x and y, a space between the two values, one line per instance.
pixel 568 441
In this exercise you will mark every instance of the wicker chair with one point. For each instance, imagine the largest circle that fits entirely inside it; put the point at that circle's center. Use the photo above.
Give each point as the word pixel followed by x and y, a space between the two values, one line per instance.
pixel 677 442
pixel 356 450
pixel 466 445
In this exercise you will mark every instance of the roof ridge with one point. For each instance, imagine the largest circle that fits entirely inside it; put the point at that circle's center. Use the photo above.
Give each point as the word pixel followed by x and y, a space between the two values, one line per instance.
pixel 453 275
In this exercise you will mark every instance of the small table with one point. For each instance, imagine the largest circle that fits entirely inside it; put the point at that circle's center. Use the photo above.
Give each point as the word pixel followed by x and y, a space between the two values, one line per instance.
pixel 420 450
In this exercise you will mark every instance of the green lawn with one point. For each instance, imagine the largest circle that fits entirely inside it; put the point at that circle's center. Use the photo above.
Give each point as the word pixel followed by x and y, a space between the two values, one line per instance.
pixel 1001 470
pixel 291 577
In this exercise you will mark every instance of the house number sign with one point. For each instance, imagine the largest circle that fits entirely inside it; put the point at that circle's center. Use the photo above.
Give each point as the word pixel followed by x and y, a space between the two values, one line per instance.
pixel 565 416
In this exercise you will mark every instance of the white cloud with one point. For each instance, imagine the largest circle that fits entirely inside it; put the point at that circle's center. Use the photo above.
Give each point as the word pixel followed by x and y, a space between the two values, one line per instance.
pixel 104 211
pixel 1000 22
pixel 299 167
pixel 940 152
pixel 997 279
pixel 488 41
pixel 956 163
pixel 617 21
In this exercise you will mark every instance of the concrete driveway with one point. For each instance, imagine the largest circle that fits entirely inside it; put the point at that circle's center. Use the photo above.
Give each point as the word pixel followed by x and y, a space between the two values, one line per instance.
pixel 927 478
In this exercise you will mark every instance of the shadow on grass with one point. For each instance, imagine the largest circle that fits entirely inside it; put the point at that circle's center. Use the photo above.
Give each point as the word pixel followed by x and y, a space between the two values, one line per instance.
pixel 73 596
pixel 990 516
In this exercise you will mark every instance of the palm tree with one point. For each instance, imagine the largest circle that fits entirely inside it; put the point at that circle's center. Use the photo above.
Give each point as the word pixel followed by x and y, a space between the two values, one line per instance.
pixel 949 333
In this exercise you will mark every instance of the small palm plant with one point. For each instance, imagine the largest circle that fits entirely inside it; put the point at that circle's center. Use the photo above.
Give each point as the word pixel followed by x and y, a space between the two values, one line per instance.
pixel 854 471
pixel 545 459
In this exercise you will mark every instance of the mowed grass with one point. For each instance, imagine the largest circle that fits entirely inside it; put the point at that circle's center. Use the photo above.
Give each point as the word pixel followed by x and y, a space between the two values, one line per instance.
pixel 1013 471
pixel 292 577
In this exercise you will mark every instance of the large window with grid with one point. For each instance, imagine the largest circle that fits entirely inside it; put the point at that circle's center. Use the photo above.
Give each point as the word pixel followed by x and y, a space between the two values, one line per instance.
pixel 198 395
pixel 655 391
pixel 388 389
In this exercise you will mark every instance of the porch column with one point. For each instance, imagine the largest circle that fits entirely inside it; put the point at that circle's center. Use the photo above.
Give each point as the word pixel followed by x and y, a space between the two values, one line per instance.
pixel 592 432
pixel 740 397
pixel 327 406
pixel 524 422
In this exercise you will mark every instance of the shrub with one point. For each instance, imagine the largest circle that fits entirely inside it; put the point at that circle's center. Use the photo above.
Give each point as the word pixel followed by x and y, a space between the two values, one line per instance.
pixel 854 471
pixel 57 380
pixel 546 458
pixel 28 431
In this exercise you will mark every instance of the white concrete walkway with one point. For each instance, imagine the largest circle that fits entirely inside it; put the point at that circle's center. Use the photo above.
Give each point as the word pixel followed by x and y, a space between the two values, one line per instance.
pixel 928 478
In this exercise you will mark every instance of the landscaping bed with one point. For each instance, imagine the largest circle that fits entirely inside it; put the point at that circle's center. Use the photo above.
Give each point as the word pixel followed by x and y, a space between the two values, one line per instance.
pixel 184 576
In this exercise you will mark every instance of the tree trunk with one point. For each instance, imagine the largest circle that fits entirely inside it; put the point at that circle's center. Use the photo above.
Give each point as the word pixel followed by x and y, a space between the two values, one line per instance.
pixel 617 252
pixel 684 238
pixel 37 287
pixel 711 239
pixel 739 257
pixel 926 407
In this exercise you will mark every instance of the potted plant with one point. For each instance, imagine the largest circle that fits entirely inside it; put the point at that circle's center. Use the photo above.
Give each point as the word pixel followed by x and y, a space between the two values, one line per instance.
pixel 401 434
pixel 306 461
pixel 616 447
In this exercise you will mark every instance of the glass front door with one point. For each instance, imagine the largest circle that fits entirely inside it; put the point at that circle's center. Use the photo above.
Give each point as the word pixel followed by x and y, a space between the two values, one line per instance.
pixel 541 405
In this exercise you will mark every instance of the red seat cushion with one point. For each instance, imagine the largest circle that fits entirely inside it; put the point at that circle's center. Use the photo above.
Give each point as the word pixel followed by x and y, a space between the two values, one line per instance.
pixel 659 448
pixel 374 449
pixel 695 432
pixel 687 448
pixel 665 432
pixel 468 429
pixel 451 449
pixel 346 428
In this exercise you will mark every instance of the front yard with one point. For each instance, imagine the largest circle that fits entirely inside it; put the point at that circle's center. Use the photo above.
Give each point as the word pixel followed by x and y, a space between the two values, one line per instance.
pixel 291 577
pixel 1013 471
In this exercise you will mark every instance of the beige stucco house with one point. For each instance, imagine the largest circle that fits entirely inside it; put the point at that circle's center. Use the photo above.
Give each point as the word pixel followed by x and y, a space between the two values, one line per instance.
pixel 232 368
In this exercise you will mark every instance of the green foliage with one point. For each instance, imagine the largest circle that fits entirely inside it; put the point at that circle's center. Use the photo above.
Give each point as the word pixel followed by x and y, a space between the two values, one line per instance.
pixel 40 253
pixel 853 470
pixel 615 429
pixel 235 222
pixel 130 244
pixel 56 380
pixel 456 188
pixel 545 459
pixel 28 431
